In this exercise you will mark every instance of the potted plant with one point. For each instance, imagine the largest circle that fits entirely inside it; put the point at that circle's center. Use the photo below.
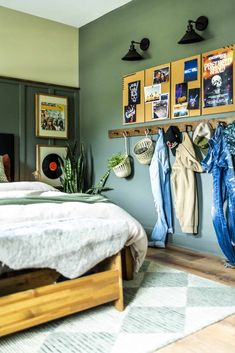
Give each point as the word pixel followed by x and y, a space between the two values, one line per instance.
pixel 73 171
pixel 120 164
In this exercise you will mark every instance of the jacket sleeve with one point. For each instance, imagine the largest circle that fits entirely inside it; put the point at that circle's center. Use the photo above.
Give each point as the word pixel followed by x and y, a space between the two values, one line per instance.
pixel 156 171
pixel 190 162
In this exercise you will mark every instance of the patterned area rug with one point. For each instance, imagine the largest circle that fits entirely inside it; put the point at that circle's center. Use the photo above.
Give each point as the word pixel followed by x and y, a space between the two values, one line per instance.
pixel 162 306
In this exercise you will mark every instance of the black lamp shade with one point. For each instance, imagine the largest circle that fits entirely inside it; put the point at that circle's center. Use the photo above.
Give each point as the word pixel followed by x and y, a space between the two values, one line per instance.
pixel 132 54
pixel 190 37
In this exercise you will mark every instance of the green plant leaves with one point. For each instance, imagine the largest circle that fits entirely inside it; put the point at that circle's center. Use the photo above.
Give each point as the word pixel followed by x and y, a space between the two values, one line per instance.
pixel 115 160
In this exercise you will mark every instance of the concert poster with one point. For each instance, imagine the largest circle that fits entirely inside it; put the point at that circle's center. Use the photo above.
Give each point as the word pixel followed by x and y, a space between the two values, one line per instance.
pixel 218 78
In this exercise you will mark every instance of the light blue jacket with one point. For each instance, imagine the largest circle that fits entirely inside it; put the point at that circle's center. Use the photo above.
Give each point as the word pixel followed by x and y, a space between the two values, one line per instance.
pixel 159 170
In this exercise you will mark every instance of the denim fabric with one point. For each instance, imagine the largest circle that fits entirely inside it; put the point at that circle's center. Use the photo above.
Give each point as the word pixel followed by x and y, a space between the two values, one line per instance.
pixel 160 183
pixel 219 163
pixel 229 135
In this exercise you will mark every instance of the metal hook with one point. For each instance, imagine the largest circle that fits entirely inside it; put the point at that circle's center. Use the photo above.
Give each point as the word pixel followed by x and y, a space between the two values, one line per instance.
pixel 146 132
pixel 221 123
pixel 124 133
pixel 188 128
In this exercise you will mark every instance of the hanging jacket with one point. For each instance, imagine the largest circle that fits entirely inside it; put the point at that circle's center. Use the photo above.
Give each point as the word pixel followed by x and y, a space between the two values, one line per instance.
pixel 160 183
pixel 219 163
pixel 184 185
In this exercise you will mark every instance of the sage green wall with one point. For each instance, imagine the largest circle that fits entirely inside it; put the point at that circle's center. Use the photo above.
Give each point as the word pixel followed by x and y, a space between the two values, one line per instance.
pixel 36 49
pixel 17 116
pixel 102 44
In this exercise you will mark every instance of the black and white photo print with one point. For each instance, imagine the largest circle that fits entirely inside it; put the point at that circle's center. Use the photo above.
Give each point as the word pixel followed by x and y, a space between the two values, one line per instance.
pixel 134 93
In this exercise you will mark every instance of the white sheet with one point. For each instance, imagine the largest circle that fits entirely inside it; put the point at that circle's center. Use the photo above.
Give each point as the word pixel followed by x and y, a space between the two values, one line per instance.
pixel 110 227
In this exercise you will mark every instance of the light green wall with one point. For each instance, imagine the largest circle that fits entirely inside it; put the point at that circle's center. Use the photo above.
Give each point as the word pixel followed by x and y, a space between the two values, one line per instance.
pixel 102 44
pixel 36 49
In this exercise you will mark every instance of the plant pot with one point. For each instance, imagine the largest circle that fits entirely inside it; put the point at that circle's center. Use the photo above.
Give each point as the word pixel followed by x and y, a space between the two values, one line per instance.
pixel 123 169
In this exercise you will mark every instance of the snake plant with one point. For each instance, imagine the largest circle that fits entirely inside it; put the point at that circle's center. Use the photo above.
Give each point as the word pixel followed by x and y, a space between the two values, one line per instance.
pixel 73 171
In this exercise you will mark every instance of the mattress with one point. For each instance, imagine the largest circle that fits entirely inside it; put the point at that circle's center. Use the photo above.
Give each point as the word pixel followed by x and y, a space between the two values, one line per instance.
pixel 70 237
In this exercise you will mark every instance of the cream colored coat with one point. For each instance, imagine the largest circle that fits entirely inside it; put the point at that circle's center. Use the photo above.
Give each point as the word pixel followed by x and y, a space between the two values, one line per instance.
pixel 184 185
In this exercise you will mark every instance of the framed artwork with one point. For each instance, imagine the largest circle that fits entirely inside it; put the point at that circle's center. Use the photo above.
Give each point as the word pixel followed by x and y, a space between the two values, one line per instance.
pixel 48 163
pixel 51 114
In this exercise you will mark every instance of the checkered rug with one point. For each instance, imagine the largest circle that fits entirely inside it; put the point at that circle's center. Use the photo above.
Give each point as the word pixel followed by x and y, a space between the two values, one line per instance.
pixel 162 306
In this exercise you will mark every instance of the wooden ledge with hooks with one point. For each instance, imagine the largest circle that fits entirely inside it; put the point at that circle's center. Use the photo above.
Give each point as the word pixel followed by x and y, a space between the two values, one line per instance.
pixel 153 129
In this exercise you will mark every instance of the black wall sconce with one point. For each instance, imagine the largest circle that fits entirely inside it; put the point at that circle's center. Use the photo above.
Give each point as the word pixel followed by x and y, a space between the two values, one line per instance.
pixel 132 54
pixel 191 36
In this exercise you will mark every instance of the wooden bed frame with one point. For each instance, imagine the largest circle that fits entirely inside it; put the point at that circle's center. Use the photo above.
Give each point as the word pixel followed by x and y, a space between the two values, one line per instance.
pixel 30 299
pixel 47 300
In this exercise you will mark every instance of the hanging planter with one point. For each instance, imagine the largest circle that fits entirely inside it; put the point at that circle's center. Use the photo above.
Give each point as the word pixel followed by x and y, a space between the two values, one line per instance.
pixel 120 163
pixel 123 169
pixel 143 150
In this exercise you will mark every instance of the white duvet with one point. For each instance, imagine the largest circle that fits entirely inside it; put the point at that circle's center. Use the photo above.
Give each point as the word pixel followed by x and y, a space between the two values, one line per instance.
pixel 70 237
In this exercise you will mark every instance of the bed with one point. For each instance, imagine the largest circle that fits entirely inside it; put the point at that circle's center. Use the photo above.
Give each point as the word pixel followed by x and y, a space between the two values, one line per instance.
pixel 60 255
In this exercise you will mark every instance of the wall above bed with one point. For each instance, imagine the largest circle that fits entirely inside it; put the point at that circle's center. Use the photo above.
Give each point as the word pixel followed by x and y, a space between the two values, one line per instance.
pixel 17 116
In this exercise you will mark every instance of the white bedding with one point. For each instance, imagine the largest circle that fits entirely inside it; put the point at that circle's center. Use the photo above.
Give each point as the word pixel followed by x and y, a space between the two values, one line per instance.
pixel 70 237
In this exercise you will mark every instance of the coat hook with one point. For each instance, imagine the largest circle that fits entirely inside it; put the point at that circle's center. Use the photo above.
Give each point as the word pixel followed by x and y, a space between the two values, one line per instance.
pixel 137 131
pixel 222 123
pixel 188 128
pixel 146 132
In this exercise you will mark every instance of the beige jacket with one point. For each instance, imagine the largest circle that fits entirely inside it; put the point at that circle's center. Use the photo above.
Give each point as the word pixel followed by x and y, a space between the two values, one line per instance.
pixel 184 185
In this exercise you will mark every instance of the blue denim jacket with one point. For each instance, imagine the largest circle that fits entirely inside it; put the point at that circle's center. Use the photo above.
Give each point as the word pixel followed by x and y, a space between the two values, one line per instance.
pixel 160 183
pixel 219 163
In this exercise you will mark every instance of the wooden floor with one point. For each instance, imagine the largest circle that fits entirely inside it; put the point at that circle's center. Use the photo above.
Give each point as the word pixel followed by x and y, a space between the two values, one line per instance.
pixel 219 337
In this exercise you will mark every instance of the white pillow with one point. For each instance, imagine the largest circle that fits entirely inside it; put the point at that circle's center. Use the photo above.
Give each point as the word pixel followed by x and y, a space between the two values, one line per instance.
pixel 26 185
pixel 3 177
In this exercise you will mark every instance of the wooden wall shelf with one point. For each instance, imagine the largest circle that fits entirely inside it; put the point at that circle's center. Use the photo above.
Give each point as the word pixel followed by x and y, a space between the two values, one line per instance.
pixel 153 129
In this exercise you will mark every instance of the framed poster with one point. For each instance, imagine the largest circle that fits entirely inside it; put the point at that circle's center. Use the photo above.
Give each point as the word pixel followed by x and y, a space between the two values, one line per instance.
pixel 186 87
pixel 48 163
pixel 218 81
pixel 133 98
pixel 157 85
pixel 51 114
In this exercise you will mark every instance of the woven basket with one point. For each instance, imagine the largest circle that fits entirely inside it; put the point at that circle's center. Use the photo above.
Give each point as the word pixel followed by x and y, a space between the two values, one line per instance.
pixel 143 150
pixel 123 169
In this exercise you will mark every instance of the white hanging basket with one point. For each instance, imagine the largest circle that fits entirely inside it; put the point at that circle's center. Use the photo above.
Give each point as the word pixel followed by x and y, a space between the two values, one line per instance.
pixel 143 150
pixel 123 169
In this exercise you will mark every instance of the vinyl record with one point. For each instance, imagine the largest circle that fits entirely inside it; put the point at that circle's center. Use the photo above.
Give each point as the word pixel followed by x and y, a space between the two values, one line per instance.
pixel 51 166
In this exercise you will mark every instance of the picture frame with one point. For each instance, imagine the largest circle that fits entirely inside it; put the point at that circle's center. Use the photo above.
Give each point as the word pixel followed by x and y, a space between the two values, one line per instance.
pixel 47 163
pixel 51 116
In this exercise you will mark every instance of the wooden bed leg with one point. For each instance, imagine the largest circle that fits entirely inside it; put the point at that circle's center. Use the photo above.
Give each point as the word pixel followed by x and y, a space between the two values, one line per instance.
pixel 127 264
pixel 116 264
